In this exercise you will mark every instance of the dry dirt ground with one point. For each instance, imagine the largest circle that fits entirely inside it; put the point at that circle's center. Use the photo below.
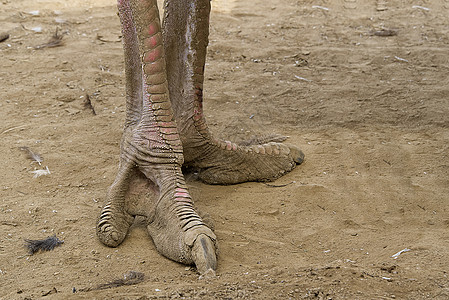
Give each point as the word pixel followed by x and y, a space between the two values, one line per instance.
pixel 361 86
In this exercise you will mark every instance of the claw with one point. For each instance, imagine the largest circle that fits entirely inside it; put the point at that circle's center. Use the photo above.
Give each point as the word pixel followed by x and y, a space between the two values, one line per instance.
pixel 204 257
pixel 113 227
pixel 297 154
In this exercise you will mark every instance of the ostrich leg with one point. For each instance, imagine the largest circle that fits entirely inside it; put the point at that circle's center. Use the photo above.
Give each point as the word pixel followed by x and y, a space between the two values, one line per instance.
pixel 186 30
pixel 149 181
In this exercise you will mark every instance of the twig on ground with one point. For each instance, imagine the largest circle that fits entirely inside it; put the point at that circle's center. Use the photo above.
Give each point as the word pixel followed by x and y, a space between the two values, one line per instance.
pixel 278 185
pixel 4 36
pixel 385 32
pixel 88 104
pixel 130 278
pixel 396 255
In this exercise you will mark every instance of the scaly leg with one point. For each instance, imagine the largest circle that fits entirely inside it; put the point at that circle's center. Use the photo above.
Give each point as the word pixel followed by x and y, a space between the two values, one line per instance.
pixel 186 31
pixel 149 181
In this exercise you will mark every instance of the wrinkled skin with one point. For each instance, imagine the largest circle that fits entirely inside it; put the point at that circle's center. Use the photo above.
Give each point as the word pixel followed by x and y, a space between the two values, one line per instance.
pixel 165 129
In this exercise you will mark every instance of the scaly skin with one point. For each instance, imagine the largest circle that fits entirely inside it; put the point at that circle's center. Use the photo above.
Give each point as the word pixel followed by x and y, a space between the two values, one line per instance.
pixel 218 162
pixel 149 181
pixel 154 146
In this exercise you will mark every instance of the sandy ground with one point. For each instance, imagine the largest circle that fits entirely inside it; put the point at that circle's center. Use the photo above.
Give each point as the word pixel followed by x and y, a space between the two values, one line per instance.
pixel 370 111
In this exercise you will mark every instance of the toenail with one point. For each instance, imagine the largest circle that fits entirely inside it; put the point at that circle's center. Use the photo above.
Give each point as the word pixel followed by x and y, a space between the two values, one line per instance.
pixel 114 236
pixel 300 158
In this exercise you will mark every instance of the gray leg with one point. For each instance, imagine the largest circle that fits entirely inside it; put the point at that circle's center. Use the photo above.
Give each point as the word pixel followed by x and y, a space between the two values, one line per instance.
pixel 149 181
pixel 186 31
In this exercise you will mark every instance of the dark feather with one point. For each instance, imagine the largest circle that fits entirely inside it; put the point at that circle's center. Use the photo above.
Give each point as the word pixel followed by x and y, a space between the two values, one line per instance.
pixel 34 156
pixel 47 244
